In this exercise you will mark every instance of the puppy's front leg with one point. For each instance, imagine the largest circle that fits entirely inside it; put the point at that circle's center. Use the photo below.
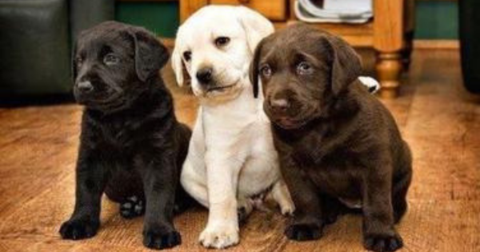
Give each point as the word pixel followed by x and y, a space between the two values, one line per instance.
pixel 222 226
pixel 307 217
pixel 378 222
pixel 90 182
pixel 159 177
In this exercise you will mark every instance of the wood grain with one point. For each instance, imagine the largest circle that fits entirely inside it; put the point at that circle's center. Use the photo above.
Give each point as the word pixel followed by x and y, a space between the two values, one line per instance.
pixel 388 25
pixel 187 8
pixel 453 44
pixel 272 9
pixel 437 117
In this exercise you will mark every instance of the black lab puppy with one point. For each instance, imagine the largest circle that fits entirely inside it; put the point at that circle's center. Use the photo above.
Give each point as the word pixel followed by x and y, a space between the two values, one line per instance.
pixel 131 147
pixel 335 140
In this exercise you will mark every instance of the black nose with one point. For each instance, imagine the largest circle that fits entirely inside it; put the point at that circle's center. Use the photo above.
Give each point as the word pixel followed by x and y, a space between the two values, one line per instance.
pixel 85 86
pixel 279 105
pixel 204 75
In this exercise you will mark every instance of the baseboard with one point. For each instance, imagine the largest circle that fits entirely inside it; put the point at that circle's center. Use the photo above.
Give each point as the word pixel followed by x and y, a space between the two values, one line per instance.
pixel 446 44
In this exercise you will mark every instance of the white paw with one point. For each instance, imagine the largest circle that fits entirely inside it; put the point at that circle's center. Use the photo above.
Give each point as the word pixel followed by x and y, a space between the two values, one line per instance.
pixel 221 236
pixel 282 196
pixel 287 207
pixel 372 84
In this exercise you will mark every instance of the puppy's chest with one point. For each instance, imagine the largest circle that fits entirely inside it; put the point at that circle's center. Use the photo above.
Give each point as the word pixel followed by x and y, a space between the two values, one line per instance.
pixel 334 171
pixel 339 181
pixel 118 135
pixel 122 136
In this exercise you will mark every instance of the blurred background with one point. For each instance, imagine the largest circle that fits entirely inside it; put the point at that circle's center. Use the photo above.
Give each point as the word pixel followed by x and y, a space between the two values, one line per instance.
pixel 436 19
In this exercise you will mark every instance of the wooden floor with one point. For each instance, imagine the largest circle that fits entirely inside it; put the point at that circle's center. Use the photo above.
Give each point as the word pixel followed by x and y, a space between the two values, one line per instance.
pixel 38 148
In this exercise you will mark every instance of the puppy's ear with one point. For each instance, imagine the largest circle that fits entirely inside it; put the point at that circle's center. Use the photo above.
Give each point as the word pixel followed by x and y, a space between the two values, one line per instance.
pixel 150 54
pixel 254 69
pixel 255 25
pixel 178 66
pixel 346 63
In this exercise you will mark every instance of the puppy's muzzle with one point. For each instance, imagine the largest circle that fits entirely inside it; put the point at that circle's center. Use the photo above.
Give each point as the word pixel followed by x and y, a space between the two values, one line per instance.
pixel 85 87
pixel 283 111
pixel 279 106
pixel 205 76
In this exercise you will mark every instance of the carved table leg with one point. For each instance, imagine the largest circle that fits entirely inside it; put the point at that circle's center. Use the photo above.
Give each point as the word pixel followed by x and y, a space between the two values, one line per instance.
pixel 389 68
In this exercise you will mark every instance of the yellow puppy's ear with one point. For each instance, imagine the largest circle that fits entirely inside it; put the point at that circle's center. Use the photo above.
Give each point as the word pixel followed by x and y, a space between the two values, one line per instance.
pixel 255 25
pixel 177 66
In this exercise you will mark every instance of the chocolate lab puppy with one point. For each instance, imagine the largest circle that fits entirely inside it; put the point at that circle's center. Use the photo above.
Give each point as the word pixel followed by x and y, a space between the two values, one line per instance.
pixel 335 140
pixel 131 146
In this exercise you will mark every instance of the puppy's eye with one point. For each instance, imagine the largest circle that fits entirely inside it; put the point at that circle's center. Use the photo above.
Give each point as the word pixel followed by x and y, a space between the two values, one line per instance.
pixel 266 71
pixel 110 59
pixel 187 56
pixel 222 41
pixel 304 68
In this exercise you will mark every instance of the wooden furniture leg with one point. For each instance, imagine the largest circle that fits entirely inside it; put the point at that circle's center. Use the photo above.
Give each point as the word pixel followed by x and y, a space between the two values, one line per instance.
pixel 388 38
pixel 389 69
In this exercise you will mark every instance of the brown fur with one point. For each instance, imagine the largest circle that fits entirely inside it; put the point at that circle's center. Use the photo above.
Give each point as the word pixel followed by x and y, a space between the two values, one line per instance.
pixel 335 140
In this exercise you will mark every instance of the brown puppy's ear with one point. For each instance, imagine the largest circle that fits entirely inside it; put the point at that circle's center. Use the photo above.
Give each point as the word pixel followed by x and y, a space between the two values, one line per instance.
pixel 150 54
pixel 254 68
pixel 346 63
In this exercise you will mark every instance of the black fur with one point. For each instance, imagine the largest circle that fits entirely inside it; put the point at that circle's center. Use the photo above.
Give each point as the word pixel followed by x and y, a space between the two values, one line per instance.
pixel 131 145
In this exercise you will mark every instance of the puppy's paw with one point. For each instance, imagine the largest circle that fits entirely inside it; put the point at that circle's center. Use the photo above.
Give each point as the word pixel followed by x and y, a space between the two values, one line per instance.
pixel 382 242
pixel 372 84
pixel 132 207
pixel 287 207
pixel 303 232
pixel 219 236
pixel 282 196
pixel 78 229
pixel 156 239
pixel 244 209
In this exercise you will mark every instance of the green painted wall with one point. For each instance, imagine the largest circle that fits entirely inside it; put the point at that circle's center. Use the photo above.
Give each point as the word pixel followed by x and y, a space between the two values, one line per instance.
pixel 159 17
pixel 435 19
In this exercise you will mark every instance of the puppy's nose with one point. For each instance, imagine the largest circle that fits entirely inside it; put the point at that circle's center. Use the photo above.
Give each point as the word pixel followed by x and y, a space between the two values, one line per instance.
pixel 204 75
pixel 279 105
pixel 85 86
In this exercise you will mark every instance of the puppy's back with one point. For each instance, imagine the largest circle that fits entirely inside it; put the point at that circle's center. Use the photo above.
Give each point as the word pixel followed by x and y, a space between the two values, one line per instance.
pixel 381 126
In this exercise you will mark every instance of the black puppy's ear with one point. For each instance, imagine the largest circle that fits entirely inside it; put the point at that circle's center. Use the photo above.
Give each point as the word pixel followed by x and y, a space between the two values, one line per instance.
pixel 150 54
pixel 73 63
pixel 346 63
pixel 254 68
